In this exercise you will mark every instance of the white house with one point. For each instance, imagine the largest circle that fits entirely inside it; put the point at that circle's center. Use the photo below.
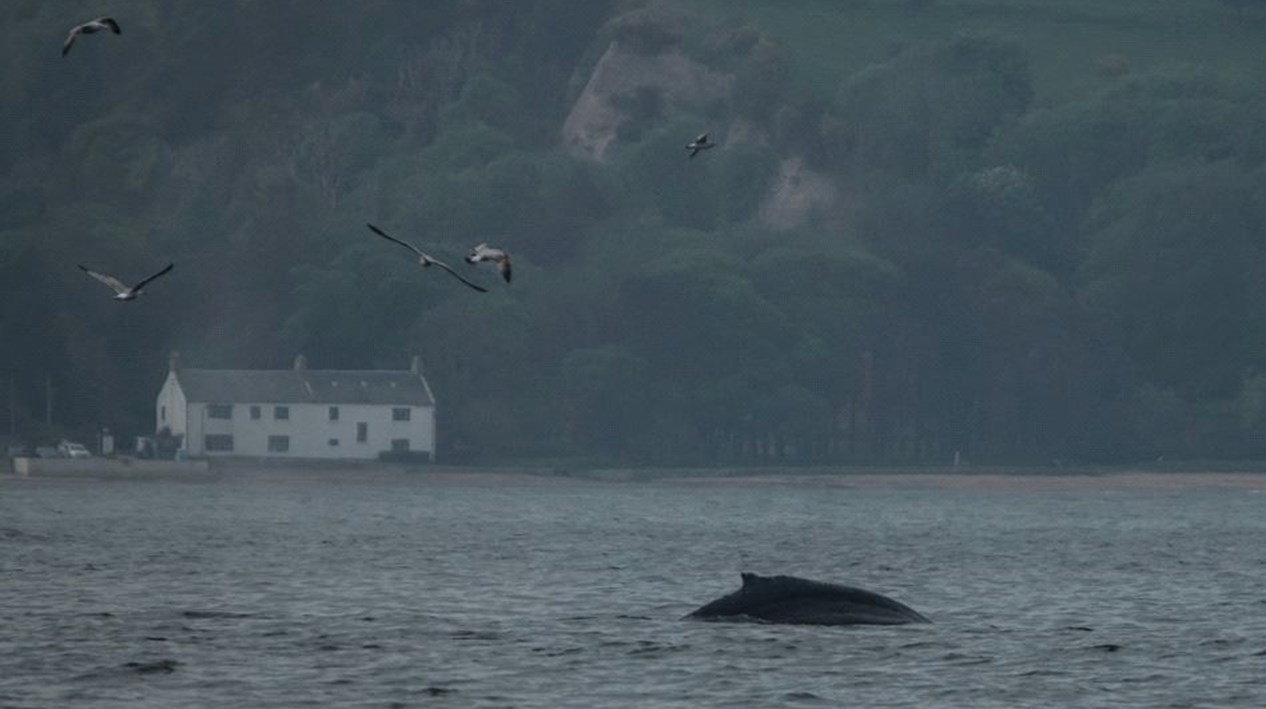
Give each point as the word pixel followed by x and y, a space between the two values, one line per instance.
pixel 298 412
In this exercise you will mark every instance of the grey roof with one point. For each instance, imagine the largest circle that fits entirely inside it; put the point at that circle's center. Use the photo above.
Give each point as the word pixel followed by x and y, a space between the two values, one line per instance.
pixel 306 386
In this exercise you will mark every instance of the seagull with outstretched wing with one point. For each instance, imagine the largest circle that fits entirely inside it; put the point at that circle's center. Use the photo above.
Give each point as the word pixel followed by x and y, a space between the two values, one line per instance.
pixel 90 27
pixel 483 252
pixel 424 259
pixel 121 290
pixel 699 144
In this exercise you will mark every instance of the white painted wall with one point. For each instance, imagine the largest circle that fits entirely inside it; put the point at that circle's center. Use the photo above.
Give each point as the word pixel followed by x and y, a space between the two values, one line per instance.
pixel 171 408
pixel 310 431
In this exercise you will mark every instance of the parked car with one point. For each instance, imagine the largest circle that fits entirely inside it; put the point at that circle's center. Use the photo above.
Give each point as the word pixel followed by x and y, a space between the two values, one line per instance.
pixel 70 449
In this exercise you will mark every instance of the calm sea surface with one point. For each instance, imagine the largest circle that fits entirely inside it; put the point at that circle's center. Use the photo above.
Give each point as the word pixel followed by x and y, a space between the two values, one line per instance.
pixel 486 593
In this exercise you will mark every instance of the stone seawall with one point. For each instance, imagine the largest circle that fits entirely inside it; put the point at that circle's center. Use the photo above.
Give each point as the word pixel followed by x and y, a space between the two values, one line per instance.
pixel 108 468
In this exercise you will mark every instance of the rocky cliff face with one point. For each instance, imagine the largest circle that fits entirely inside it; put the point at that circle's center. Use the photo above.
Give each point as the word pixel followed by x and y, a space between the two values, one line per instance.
pixel 796 194
pixel 645 65
pixel 676 81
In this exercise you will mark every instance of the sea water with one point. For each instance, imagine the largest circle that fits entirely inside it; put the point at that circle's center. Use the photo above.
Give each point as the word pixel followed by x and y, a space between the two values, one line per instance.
pixel 490 592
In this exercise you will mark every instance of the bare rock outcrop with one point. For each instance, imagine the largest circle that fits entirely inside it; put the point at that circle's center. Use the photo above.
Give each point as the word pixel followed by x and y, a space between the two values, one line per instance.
pixel 795 194
pixel 625 69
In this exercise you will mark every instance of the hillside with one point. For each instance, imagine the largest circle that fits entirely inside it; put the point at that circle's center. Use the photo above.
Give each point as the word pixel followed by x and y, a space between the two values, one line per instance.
pixel 1009 230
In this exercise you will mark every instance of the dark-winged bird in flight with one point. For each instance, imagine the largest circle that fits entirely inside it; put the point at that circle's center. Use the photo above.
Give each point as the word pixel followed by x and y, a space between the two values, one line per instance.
pixel 699 144
pixel 90 27
pixel 424 259
pixel 121 290
pixel 483 252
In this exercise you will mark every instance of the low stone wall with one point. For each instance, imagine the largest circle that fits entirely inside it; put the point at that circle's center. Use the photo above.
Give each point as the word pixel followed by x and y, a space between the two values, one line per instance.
pixel 107 467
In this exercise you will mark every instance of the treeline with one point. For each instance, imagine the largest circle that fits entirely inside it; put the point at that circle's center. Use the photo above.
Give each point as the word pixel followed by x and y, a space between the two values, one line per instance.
pixel 926 262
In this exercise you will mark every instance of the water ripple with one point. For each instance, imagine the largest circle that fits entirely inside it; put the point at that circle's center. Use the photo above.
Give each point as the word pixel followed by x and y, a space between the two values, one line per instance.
pixel 405 593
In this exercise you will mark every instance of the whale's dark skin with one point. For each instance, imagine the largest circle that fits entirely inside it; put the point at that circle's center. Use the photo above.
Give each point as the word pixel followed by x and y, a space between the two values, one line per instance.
pixel 787 599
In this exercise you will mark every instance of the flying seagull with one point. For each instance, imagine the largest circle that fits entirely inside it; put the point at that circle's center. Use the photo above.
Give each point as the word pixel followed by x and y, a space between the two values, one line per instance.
pixel 123 292
pixel 424 259
pixel 485 253
pixel 700 144
pixel 90 27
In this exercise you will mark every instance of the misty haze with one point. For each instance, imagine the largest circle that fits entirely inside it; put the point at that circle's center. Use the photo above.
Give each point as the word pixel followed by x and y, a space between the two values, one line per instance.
pixel 400 353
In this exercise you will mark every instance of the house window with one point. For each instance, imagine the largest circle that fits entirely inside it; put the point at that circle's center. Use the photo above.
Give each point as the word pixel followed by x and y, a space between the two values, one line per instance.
pixel 220 411
pixel 333 441
pixel 333 413
pixel 162 413
pixel 281 413
pixel 401 413
pixel 278 444
pixel 400 445
pixel 218 442
pixel 362 432
pixel 254 413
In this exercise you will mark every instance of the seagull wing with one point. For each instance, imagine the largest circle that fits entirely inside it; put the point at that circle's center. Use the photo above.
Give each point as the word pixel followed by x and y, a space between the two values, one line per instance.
pixel 702 139
pixel 70 41
pixel 109 22
pixel 405 244
pixel 458 276
pixel 504 266
pixel 163 272
pixel 111 281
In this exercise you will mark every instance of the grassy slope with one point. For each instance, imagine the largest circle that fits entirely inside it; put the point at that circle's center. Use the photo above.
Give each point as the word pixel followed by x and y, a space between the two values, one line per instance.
pixel 1066 38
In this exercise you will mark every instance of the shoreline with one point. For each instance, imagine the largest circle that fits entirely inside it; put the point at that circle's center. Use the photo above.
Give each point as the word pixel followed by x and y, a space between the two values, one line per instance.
pixel 993 479
pixel 1114 481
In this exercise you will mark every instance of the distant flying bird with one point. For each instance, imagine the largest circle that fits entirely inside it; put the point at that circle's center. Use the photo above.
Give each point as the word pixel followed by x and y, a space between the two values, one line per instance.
pixel 124 292
pixel 485 253
pixel 424 259
pixel 700 144
pixel 90 27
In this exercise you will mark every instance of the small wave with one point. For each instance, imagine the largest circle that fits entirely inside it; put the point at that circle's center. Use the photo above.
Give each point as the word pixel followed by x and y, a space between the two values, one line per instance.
pixel 215 614
pixel 557 652
pixel 474 635
pixel 802 697
pixel 164 666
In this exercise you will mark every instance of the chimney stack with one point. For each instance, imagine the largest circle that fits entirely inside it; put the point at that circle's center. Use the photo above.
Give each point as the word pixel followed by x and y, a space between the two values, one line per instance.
pixel 301 363
pixel 416 365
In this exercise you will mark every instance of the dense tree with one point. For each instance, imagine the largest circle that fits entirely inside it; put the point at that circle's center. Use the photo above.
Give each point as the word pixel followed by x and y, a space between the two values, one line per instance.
pixel 1011 263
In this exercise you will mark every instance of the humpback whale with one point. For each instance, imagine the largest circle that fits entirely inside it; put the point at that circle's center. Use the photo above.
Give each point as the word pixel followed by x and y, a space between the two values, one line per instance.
pixel 787 599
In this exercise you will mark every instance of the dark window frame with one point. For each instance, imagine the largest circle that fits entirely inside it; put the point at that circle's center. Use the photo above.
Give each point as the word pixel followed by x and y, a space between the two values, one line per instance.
pixel 279 444
pixel 220 412
pixel 281 413
pixel 402 413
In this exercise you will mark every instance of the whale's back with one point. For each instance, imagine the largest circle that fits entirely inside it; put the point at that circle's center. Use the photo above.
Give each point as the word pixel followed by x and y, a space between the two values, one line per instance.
pixel 788 599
